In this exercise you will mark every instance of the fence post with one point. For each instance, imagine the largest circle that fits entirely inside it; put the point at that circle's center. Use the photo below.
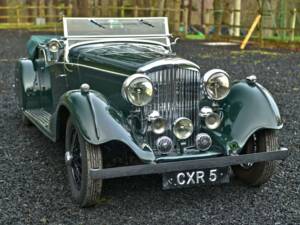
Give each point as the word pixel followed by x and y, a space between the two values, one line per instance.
pixel 282 17
pixel 18 14
pixel 69 9
pixel 136 11
pixel 206 21
pixel 152 11
pixel 231 23
pixel 186 20
pixel 122 11
pixel 293 25
pixel 237 17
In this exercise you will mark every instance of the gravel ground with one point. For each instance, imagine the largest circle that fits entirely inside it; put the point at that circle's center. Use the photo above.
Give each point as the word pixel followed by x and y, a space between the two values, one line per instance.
pixel 33 186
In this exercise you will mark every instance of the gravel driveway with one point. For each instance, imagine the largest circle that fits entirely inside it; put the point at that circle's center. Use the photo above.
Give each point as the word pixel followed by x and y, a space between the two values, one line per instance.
pixel 33 186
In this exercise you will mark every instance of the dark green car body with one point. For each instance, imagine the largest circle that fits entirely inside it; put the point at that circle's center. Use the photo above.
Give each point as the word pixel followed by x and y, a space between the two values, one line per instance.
pixel 49 92
pixel 125 104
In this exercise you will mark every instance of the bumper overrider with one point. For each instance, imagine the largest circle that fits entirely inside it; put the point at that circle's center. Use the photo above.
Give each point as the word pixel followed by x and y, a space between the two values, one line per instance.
pixel 207 163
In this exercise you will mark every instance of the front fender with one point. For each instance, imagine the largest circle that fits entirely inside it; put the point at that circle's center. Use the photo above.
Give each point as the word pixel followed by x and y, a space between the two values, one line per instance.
pixel 98 122
pixel 28 96
pixel 249 107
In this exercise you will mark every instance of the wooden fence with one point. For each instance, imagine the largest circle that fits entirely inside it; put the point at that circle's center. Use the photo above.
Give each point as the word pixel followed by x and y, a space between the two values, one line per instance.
pixel 288 31
pixel 47 17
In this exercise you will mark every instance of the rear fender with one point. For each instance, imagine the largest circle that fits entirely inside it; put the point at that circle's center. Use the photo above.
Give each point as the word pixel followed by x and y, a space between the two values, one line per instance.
pixel 249 107
pixel 97 121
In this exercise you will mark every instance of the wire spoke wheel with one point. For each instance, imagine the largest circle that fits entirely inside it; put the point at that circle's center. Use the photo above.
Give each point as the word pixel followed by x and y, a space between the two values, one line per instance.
pixel 80 157
pixel 256 174
pixel 76 159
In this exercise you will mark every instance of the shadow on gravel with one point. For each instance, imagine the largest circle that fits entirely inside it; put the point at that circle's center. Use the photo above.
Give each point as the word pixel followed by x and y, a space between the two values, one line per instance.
pixel 33 187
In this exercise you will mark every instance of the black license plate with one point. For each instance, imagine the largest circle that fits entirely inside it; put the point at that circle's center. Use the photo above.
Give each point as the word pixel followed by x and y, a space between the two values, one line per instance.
pixel 191 178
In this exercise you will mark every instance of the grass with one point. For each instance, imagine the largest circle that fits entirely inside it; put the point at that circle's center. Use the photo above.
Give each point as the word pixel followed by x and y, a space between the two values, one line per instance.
pixel 195 37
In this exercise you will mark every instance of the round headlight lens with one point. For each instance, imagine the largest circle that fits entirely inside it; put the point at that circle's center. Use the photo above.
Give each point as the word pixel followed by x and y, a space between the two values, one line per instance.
pixel 217 84
pixel 53 45
pixel 138 89
pixel 159 125
pixel 183 128
pixel 213 121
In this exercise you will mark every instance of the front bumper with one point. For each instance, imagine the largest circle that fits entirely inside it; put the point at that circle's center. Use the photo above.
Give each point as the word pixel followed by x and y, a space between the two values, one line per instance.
pixel 216 162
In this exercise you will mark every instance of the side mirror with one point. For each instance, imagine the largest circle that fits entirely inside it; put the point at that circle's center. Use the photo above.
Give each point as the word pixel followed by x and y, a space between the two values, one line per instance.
pixel 175 41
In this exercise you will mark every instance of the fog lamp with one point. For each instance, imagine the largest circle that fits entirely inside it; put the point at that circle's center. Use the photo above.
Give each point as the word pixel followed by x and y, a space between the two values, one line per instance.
pixel 164 144
pixel 158 125
pixel 183 128
pixel 203 141
pixel 213 121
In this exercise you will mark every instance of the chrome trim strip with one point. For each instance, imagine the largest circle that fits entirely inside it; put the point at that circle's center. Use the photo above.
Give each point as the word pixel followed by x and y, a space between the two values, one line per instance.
pixel 95 68
pixel 117 40
pixel 168 62
pixel 68 48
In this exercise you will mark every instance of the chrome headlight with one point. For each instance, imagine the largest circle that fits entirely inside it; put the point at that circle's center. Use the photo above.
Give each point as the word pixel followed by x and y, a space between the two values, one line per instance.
pixel 159 125
pixel 217 84
pixel 183 128
pixel 54 45
pixel 138 89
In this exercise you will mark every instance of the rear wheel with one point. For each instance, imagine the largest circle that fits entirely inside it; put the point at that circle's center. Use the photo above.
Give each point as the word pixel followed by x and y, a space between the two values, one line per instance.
pixel 80 157
pixel 258 173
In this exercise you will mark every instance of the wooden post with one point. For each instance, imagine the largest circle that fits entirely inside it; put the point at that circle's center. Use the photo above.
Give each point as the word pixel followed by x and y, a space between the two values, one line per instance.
pixel 161 6
pixel 152 11
pixel 231 23
pixel 253 26
pixel 122 11
pixel 83 8
pixel 237 17
pixel 186 20
pixel 177 4
pixel 293 24
pixel 206 21
pixel 114 11
pixel 136 11
pixel 282 17
pixel 18 14
pixel 3 11
pixel 50 11
pixel 190 10
pixel 69 9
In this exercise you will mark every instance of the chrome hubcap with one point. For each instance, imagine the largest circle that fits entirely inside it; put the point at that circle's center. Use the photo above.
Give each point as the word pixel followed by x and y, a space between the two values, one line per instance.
pixel 68 158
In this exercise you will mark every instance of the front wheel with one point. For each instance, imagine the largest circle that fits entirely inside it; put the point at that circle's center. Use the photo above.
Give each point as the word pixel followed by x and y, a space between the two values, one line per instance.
pixel 258 173
pixel 80 157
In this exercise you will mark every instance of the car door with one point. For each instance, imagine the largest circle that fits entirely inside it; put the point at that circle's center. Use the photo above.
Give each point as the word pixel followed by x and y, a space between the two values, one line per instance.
pixel 42 81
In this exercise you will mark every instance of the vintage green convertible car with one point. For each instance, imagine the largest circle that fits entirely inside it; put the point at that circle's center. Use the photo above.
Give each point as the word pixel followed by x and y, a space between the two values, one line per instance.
pixel 126 105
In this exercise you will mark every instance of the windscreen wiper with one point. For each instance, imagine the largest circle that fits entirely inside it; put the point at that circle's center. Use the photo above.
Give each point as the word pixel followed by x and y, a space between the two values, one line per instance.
pixel 146 23
pixel 97 24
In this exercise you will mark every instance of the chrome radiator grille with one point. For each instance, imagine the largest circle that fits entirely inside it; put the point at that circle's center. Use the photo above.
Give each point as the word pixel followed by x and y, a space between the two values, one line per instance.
pixel 177 94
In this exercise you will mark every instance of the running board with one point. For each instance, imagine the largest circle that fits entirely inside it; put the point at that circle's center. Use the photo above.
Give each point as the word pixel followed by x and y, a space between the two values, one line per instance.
pixel 41 119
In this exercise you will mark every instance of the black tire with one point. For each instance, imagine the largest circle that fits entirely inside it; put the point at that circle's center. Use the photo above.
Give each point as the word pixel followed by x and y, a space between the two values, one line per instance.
pixel 85 191
pixel 258 173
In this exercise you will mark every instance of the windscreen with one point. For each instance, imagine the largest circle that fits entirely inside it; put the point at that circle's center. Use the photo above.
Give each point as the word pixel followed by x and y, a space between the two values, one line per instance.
pixel 115 27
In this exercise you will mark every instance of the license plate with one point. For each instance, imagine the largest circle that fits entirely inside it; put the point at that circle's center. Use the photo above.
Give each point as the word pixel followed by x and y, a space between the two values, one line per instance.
pixel 195 177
